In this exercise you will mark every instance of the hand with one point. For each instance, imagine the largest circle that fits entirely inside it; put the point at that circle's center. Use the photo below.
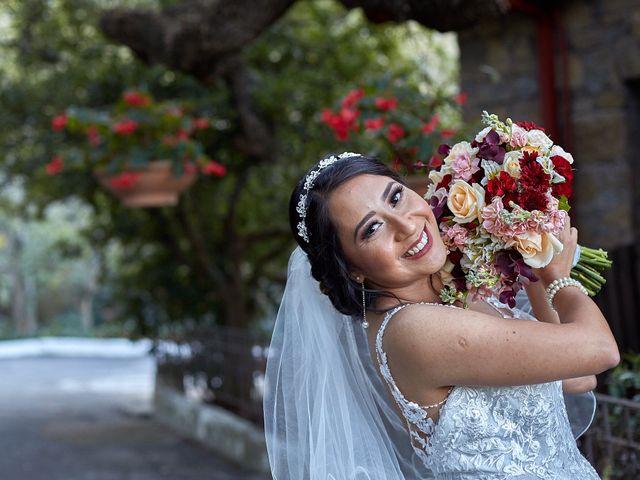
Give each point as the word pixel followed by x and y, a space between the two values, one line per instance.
pixel 560 265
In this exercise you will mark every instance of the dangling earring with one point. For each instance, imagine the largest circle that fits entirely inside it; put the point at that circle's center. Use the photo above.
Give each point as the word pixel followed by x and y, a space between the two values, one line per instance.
pixel 365 324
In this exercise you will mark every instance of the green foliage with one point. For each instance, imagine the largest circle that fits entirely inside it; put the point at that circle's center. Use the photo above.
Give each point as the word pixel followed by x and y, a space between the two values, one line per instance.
pixel 624 380
pixel 219 256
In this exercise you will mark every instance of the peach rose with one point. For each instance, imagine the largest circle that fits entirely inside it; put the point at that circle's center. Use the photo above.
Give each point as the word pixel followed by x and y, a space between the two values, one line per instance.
pixel 465 201
pixel 537 249
pixel 511 163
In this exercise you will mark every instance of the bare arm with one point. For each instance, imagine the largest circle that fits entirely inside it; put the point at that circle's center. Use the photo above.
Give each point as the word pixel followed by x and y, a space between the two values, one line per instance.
pixel 463 347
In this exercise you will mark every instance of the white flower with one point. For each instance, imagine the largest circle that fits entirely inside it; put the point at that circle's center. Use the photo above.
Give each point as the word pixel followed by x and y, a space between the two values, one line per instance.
pixel 558 150
pixel 538 139
pixel 483 133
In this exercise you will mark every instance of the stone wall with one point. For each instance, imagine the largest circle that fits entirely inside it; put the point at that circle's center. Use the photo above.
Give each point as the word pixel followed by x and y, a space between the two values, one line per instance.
pixel 500 74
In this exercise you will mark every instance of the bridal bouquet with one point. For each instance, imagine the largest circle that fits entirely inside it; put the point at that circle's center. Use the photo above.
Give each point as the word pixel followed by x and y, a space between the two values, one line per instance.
pixel 501 201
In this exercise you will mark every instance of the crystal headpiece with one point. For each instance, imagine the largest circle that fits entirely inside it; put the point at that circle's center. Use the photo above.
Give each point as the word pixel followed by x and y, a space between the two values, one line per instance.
pixel 308 185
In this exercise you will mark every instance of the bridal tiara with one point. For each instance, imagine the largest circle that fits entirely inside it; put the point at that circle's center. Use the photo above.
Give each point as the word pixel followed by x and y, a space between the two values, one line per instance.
pixel 308 185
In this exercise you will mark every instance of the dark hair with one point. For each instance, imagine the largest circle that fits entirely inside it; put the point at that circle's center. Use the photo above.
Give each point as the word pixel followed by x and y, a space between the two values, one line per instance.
pixel 329 266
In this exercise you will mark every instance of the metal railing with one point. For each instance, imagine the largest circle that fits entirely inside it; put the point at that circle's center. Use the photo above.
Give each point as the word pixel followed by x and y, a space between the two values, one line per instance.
pixel 222 366
pixel 612 443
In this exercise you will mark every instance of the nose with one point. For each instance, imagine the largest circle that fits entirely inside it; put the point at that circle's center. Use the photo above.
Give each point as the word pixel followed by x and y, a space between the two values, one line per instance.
pixel 405 225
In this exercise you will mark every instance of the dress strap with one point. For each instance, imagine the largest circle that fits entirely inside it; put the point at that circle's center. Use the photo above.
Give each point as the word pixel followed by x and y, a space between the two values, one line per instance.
pixel 384 367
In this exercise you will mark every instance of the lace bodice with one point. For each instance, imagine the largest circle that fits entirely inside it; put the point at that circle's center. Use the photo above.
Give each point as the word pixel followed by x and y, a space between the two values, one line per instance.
pixel 514 432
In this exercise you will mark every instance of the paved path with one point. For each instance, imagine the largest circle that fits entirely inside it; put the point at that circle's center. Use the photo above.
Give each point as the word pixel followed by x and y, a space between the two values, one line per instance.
pixel 89 419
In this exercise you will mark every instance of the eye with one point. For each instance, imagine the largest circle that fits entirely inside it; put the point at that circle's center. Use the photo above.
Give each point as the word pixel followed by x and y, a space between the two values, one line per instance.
pixel 397 195
pixel 370 230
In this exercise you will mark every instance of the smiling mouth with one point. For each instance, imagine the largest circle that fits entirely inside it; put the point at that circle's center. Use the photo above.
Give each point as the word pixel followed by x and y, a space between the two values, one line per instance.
pixel 420 246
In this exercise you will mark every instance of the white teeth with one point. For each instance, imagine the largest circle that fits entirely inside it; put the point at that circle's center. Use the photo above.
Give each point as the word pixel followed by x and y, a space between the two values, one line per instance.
pixel 424 239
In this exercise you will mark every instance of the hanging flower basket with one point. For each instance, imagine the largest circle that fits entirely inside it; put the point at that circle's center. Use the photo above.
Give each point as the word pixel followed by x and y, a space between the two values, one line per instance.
pixel 144 152
pixel 153 185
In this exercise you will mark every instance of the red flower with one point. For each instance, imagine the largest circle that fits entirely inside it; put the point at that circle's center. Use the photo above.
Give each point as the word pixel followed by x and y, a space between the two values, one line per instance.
pixel 563 167
pixel 502 184
pixel 529 126
pixel 431 125
pixel 447 132
pixel 373 124
pixel 532 175
pixel 136 99
pixel 386 104
pixel 55 166
pixel 125 127
pixel 214 168
pixel 200 123
pixel 352 98
pixel 444 183
pixel 176 111
pixel 435 162
pixel 59 122
pixel 342 122
pixel 93 136
pixel 394 132
pixel 124 181
pixel 533 199
pixel 460 98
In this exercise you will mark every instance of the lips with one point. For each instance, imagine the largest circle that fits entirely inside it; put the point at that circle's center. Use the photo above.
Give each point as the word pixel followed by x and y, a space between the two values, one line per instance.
pixel 425 249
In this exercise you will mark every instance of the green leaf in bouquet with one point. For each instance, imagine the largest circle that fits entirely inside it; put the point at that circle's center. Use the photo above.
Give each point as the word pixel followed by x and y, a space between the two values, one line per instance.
pixel 563 203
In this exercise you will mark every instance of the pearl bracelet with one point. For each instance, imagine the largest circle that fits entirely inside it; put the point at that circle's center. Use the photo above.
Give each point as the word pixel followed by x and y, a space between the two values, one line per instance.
pixel 559 283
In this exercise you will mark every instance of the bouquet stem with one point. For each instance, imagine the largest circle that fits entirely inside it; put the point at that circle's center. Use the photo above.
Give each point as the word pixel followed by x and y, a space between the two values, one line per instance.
pixel 587 271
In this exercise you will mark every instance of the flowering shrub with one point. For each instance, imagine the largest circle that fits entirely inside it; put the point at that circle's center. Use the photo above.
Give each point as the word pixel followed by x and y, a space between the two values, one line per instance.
pixel 134 132
pixel 408 125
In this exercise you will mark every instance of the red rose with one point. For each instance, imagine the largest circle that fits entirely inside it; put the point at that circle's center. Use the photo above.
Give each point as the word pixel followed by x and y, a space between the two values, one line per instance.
pixel 55 166
pixel 214 168
pixel 394 132
pixel 59 122
pixel 386 104
pixel 125 127
pixel 136 99
pixel 373 124
pixel 352 98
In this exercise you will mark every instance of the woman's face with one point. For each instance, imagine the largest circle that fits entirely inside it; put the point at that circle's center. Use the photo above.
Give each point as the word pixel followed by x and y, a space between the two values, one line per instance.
pixel 388 233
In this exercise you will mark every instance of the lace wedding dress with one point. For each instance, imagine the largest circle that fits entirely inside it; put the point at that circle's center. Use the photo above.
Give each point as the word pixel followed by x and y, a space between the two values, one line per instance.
pixel 517 432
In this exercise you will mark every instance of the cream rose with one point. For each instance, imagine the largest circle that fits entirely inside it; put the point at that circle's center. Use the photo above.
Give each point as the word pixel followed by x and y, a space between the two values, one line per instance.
pixel 538 139
pixel 465 201
pixel 511 163
pixel 537 249
pixel 445 273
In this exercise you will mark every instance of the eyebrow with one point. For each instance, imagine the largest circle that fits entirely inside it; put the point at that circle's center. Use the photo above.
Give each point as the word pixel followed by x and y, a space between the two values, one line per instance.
pixel 385 193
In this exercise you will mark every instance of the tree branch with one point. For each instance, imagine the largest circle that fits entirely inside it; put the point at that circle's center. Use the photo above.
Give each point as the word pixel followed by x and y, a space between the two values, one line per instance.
pixel 442 15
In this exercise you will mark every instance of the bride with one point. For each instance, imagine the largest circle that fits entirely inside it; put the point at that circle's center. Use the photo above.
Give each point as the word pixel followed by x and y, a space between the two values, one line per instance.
pixel 370 376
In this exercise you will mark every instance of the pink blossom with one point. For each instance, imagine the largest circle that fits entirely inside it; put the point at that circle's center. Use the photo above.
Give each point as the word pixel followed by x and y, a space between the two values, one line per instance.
pixel 454 235
pixel 464 166
pixel 554 219
pixel 518 137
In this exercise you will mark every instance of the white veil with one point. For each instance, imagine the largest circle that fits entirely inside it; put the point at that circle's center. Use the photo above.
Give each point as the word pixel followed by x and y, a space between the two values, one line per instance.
pixel 326 412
